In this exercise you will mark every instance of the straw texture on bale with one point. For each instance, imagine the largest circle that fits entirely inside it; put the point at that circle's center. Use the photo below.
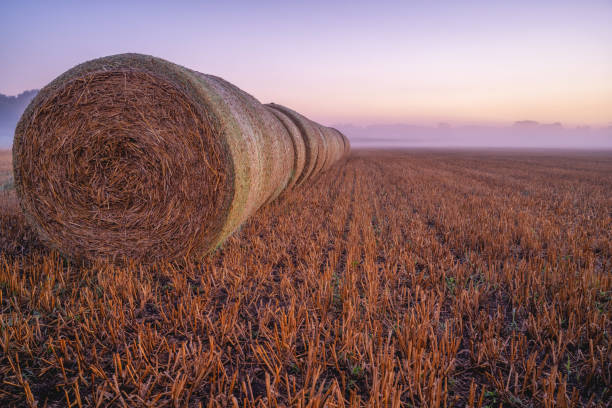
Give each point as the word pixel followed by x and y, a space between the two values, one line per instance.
pixel 313 143
pixel 131 156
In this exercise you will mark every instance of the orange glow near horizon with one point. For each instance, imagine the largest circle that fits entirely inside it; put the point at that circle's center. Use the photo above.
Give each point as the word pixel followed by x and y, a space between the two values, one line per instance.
pixel 552 88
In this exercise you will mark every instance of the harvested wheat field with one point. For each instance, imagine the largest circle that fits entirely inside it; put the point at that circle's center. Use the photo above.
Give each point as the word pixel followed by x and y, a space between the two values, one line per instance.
pixel 408 278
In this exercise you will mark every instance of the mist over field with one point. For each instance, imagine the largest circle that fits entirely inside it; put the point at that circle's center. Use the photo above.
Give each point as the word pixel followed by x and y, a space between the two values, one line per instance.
pixel 521 134
pixel 11 108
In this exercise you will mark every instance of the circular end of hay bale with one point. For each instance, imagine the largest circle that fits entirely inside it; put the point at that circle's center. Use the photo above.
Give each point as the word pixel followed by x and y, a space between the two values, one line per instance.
pixel 122 162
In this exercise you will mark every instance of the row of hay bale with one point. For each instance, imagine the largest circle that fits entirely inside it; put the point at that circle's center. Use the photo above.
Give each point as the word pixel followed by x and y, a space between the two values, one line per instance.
pixel 134 157
pixel 316 147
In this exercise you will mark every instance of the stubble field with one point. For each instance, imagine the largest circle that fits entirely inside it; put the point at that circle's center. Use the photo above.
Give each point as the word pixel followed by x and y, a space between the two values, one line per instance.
pixel 5 166
pixel 409 278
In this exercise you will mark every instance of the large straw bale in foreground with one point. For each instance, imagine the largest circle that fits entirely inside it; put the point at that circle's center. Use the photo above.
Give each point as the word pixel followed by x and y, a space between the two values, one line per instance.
pixel 131 156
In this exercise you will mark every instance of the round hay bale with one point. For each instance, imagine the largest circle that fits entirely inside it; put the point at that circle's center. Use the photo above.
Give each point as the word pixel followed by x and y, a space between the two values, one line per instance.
pixel 134 157
pixel 274 141
pixel 299 149
pixel 311 138
pixel 330 157
pixel 323 158
pixel 338 145
pixel 345 142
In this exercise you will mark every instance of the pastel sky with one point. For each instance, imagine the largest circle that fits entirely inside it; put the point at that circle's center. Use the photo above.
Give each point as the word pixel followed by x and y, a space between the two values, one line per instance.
pixel 482 62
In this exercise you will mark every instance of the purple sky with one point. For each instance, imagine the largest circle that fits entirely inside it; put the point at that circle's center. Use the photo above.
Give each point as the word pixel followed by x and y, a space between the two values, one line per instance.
pixel 463 62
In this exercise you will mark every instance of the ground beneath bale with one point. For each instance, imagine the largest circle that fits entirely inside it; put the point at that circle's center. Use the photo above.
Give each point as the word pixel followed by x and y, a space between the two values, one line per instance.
pixel 408 278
